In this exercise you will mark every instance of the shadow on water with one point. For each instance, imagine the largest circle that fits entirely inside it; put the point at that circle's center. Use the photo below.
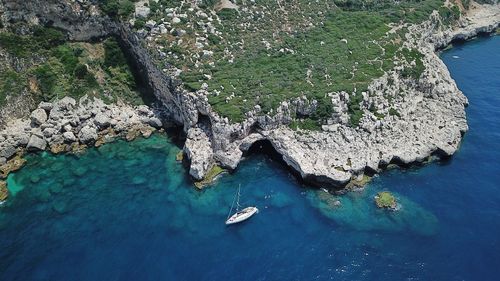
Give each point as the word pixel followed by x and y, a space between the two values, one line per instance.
pixel 265 148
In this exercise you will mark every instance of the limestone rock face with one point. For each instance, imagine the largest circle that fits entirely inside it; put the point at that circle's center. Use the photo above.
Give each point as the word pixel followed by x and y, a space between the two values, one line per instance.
pixel 36 143
pixel 38 116
pixel 198 149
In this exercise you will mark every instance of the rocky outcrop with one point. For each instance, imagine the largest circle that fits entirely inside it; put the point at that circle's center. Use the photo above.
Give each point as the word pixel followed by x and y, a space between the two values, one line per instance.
pixel 67 125
pixel 81 19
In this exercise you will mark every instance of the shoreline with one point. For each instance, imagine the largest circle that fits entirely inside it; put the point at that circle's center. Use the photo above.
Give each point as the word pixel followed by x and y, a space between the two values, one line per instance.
pixel 68 126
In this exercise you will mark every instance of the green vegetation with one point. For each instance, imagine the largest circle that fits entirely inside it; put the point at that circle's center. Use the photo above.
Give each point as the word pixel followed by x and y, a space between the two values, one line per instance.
pixel 321 62
pixel 11 83
pixel 394 112
pixel 209 177
pixel 412 57
pixel 117 8
pixel 385 199
pixel 59 68
pixel 24 46
pixel 449 15
pixel 268 52
pixel 305 124
pixel 355 112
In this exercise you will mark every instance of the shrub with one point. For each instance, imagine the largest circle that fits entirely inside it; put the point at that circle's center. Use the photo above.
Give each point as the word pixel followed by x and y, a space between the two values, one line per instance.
pixel 394 112
pixel 81 71
pixel 113 55
pixel 47 80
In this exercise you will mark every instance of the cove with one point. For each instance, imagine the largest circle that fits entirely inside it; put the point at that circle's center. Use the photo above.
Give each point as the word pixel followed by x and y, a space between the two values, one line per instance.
pixel 128 211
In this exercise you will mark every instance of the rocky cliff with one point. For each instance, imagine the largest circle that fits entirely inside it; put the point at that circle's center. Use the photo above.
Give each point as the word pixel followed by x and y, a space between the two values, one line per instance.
pixel 428 119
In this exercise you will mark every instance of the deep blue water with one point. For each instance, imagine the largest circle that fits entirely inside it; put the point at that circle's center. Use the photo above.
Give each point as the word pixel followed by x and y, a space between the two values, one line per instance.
pixel 127 211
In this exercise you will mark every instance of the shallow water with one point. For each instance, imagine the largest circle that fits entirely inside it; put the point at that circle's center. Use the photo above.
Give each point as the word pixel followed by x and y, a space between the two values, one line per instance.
pixel 127 211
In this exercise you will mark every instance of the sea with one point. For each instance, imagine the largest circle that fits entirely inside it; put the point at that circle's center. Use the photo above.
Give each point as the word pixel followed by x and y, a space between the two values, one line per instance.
pixel 129 211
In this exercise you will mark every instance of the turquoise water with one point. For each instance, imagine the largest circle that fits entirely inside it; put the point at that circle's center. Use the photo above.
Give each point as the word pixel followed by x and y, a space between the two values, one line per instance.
pixel 127 211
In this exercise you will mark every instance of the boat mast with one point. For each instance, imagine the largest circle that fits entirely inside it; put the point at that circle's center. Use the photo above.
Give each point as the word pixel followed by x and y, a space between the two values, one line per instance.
pixel 238 201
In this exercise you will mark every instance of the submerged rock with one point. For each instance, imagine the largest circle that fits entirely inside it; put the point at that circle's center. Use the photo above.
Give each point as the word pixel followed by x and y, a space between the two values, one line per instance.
pixel 209 177
pixel 385 200
pixel 12 165
pixel 4 192
pixel 356 210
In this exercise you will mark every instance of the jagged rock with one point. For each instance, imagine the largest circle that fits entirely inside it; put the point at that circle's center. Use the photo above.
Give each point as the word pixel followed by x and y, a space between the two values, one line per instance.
pixel 7 151
pixel 36 143
pixel 150 24
pixel 49 132
pixel 38 116
pixel 144 110
pixel 66 103
pixel 47 106
pixel 87 134
pixel 142 11
pixel 155 122
pixel 101 120
pixel 69 137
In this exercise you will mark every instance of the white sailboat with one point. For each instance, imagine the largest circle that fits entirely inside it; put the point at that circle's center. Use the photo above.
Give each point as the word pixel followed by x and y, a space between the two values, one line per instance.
pixel 242 215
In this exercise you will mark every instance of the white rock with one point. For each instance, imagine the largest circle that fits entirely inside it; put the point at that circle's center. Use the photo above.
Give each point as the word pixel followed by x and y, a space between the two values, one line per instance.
pixel 38 116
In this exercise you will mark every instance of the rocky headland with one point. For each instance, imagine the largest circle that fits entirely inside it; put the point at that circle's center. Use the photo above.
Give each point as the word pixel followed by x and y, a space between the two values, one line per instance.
pixel 426 116
pixel 430 119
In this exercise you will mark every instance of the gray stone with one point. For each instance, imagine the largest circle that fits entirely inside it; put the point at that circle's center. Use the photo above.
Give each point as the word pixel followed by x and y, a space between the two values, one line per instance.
pixel 36 143
pixel 87 134
pixel 66 103
pixel 176 20
pixel 150 24
pixel 38 116
pixel 142 12
pixel 155 122
pixel 49 132
pixel 144 110
pixel 101 120
pixel 7 151
pixel 68 128
pixel 69 136
pixel 47 106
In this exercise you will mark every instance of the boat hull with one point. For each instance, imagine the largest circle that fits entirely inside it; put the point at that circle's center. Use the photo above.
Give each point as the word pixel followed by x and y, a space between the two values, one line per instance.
pixel 242 215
